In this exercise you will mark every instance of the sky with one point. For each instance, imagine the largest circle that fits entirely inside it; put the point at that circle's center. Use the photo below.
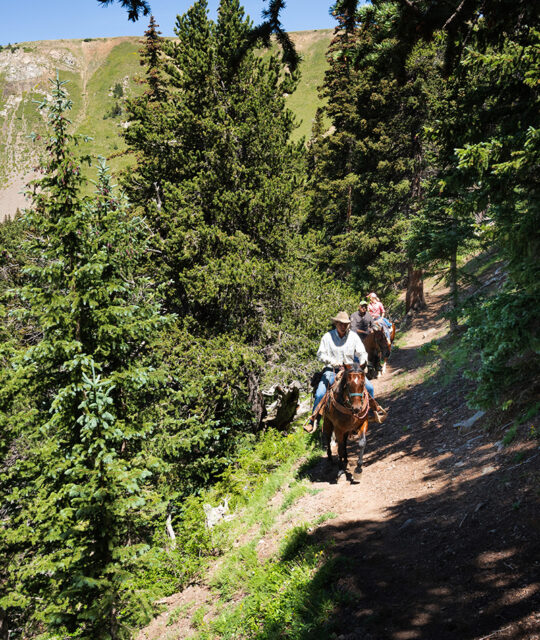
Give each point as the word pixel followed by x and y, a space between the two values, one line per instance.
pixel 28 20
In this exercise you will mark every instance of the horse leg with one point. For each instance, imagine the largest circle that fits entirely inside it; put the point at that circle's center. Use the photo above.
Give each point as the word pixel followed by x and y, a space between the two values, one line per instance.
pixel 342 455
pixel 327 437
pixel 361 448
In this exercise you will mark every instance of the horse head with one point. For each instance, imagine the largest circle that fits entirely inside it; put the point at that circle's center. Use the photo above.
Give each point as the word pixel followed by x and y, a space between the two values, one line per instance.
pixel 352 388
pixel 383 344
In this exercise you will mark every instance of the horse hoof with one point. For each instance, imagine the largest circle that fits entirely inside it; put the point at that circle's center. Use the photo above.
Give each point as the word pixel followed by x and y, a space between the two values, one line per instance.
pixel 341 476
pixel 357 474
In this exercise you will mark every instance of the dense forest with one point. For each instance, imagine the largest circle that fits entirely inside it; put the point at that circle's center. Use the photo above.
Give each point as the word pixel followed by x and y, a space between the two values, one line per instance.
pixel 140 323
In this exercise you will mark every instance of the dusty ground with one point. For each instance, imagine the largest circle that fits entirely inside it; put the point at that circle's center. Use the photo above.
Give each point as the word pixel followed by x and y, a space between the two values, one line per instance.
pixel 441 536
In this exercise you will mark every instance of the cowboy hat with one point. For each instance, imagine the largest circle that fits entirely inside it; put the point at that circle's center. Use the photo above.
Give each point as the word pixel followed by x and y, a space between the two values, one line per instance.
pixel 343 317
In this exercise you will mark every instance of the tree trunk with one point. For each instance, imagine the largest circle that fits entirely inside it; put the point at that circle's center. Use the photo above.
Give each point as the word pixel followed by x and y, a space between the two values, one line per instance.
pixel 4 631
pixel 454 291
pixel 415 299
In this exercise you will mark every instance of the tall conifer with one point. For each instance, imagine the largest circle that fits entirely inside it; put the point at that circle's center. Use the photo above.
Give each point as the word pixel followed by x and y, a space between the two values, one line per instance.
pixel 78 477
pixel 228 173
pixel 365 186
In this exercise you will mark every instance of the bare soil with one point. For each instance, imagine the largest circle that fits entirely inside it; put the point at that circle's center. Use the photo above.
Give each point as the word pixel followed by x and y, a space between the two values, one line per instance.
pixel 440 538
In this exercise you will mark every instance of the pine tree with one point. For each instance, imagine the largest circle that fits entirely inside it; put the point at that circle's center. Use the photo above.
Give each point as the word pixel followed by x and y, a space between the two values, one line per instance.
pixel 77 474
pixel 228 172
pixel 485 131
pixel 366 186
pixel 216 179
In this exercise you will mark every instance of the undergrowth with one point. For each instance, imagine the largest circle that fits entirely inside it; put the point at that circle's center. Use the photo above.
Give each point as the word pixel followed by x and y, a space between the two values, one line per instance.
pixel 262 469
pixel 291 595
pixel 288 595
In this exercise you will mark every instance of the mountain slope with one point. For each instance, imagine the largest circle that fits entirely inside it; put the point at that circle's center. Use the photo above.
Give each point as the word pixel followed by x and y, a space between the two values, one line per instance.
pixel 100 73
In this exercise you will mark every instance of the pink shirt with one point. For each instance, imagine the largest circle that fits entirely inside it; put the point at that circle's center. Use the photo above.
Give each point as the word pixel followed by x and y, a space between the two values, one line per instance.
pixel 376 309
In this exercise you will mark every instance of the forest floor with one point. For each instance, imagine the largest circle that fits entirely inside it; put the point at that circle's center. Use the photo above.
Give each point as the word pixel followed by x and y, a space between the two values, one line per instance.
pixel 440 538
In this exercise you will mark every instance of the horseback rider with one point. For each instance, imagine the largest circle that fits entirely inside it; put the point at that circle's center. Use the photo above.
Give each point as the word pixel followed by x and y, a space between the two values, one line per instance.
pixel 362 320
pixel 376 309
pixel 338 347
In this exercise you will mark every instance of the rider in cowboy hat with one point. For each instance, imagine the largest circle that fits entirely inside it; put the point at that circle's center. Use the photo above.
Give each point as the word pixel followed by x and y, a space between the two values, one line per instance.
pixel 338 347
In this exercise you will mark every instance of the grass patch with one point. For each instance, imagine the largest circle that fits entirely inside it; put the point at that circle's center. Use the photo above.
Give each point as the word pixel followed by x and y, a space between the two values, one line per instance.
pixel 305 100
pixel 509 435
pixel 178 612
pixel 313 458
pixel 290 596
pixel 197 620
pixel 325 517
pixel 296 491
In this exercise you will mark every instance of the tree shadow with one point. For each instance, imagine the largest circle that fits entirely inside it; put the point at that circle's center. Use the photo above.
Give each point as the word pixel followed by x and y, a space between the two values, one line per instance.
pixel 441 567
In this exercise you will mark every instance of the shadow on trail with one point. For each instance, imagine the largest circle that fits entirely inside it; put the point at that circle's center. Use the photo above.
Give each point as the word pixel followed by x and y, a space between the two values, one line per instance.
pixel 437 568
pixel 458 563
pixel 471 578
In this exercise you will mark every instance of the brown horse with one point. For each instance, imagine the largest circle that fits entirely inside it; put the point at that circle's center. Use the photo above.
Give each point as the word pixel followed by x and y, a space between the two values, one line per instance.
pixel 347 412
pixel 378 348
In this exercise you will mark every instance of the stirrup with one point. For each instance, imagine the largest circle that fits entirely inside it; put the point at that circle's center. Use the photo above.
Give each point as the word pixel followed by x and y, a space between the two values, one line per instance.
pixel 379 415
pixel 311 425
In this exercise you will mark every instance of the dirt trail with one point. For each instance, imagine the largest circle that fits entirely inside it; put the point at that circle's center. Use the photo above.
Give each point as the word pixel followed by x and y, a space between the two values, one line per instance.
pixel 440 537
pixel 441 534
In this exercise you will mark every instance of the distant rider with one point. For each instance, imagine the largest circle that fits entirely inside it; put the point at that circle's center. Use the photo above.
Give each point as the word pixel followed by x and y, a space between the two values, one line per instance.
pixel 376 309
pixel 338 347
pixel 362 320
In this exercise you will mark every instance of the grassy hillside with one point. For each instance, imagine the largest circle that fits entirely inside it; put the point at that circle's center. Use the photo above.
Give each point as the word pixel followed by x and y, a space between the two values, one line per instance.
pixel 100 74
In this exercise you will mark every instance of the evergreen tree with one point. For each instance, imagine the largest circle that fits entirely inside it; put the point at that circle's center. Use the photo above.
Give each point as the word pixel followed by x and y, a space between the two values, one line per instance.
pixel 134 7
pixel 216 178
pixel 228 172
pixel 486 187
pixel 366 186
pixel 76 473
pixel 502 175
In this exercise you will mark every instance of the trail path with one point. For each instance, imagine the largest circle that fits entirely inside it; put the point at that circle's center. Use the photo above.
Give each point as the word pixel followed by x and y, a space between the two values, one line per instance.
pixel 441 534
pixel 440 537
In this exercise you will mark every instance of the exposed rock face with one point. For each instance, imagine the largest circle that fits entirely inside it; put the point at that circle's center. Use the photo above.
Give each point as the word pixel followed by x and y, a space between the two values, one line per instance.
pixel 25 73
pixel 23 70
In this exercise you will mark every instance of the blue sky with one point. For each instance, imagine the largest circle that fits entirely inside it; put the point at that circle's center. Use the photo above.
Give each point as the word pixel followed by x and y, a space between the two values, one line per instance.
pixel 26 20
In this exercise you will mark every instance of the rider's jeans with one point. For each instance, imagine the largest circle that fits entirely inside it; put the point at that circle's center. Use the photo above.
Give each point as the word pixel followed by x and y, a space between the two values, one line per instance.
pixel 387 325
pixel 327 381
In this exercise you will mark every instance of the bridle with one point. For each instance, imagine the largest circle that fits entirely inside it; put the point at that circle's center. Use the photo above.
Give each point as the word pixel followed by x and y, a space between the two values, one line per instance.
pixel 346 407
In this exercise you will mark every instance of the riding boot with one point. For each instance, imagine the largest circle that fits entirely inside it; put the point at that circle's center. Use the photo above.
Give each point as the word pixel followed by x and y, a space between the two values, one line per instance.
pixel 379 414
